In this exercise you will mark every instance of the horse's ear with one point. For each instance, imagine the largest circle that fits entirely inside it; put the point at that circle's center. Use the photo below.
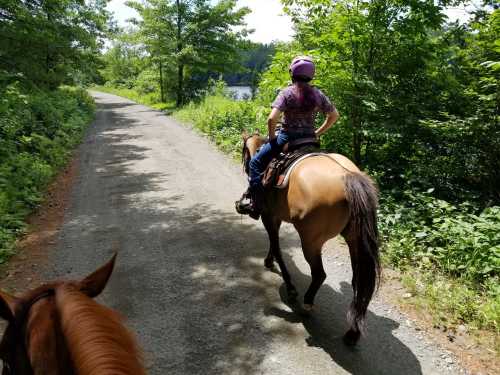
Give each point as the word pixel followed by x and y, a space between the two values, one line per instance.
pixel 95 283
pixel 244 135
pixel 7 306
pixel 256 132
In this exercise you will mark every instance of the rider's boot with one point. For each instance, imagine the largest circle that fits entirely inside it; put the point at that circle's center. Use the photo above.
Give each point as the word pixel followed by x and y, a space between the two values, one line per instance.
pixel 257 202
pixel 254 207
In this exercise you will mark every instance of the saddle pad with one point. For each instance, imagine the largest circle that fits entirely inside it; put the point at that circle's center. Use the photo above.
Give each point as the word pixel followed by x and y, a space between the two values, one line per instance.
pixel 282 181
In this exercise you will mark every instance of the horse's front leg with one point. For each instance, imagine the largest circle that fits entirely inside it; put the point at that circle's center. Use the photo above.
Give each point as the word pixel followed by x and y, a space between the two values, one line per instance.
pixel 272 229
pixel 269 260
pixel 272 226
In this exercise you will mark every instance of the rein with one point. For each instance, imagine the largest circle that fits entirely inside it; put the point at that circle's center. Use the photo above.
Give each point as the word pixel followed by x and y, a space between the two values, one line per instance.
pixel 18 322
pixel 245 156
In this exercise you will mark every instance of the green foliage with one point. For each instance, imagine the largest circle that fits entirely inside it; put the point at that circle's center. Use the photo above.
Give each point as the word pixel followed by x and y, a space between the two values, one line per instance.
pixel 452 302
pixel 432 233
pixel 53 41
pixel 255 58
pixel 122 64
pixel 38 130
pixel 224 119
pixel 427 237
pixel 186 39
pixel 419 99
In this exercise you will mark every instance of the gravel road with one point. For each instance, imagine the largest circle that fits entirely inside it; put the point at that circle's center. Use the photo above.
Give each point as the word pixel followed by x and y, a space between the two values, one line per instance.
pixel 190 277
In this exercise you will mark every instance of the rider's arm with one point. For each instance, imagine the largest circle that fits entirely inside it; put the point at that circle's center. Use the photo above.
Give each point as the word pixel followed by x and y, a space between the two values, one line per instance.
pixel 272 120
pixel 331 118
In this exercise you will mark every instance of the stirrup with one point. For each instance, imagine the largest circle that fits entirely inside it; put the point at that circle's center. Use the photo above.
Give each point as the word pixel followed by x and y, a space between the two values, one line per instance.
pixel 246 209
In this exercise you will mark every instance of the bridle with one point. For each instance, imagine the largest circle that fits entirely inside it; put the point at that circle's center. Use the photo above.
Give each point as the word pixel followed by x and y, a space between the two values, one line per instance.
pixel 14 334
pixel 245 156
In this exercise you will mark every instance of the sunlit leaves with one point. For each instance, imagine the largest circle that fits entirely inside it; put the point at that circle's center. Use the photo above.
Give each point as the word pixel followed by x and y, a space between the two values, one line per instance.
pixel 52 42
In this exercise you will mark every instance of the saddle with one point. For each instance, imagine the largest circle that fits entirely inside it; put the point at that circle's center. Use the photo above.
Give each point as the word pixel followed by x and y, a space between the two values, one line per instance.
pixel 277 172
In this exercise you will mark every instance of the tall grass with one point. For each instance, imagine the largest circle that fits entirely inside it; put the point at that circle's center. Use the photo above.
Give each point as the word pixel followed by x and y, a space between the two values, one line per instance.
pixel 224 120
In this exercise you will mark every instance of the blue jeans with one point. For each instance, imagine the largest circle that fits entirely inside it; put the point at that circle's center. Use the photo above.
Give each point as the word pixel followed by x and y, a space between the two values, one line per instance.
pixel 262 158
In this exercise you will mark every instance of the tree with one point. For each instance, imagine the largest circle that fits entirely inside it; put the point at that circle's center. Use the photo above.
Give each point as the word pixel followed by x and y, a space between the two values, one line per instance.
pixel 191 36
pixel 255 59
pixel 123 63
pixel 418 97
pixel 48 41
pixel 374 55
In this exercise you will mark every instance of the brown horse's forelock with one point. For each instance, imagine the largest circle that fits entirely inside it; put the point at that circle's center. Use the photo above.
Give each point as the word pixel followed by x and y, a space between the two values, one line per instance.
pixel 97 340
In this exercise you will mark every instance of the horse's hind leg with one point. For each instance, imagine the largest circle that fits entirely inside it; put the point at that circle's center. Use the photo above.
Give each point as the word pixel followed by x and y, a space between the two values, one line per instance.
pixel 318 274
pixel 272 226
pixel 354 333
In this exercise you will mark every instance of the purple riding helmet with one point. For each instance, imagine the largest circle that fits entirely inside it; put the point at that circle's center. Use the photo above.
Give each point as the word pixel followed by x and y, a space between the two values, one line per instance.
pixel 302 66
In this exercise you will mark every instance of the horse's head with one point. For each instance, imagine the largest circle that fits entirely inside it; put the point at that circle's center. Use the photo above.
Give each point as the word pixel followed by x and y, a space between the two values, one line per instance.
pixel 32 341
pixel 251 145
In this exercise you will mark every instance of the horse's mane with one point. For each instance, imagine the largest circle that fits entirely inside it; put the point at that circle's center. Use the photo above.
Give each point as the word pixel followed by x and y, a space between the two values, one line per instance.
pixel 98 341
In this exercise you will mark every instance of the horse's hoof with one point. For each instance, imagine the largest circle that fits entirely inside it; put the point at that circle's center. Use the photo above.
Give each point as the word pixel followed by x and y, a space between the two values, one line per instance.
pixel 308 307
pixel 269 263
pixel 351 337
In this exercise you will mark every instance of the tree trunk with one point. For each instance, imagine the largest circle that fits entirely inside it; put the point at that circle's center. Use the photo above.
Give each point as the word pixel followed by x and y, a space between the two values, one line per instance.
pixel 356 120
pixel 180 66
pixel 180 84
pixel 356 131
pixel 162 93
pixel 48 58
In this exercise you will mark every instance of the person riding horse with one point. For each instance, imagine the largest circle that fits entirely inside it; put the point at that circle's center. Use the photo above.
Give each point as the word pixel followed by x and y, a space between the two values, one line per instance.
pixel 324 195
pixel 299 103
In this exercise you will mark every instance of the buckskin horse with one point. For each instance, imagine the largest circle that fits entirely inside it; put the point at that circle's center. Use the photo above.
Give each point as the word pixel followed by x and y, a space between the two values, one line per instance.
pixel 326 195
pixel 59 329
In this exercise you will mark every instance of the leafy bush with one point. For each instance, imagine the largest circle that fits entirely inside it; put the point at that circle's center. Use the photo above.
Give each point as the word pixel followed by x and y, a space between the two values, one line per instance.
pixel 224 119
pixel 435 233
pixel 429 237
pixel 38 130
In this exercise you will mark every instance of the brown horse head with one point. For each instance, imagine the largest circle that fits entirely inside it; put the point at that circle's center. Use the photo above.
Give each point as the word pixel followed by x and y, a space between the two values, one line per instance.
pixel 251 145
pixel 58 329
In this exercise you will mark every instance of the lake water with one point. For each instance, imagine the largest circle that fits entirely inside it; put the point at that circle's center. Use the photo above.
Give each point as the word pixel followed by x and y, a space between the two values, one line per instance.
pixel 240 92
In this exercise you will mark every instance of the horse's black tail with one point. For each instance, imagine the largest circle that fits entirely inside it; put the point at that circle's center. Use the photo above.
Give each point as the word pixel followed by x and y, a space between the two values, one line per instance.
pixel 362 234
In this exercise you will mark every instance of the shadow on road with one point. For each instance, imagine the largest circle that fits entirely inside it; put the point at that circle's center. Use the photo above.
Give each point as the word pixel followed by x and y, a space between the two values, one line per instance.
pixel 190 275
pixel 380 352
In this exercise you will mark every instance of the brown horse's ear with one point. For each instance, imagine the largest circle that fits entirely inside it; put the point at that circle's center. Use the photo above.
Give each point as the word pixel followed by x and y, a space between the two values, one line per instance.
pixel 244 135
pixel 7 306
pixel 256 132
pixel 95 283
